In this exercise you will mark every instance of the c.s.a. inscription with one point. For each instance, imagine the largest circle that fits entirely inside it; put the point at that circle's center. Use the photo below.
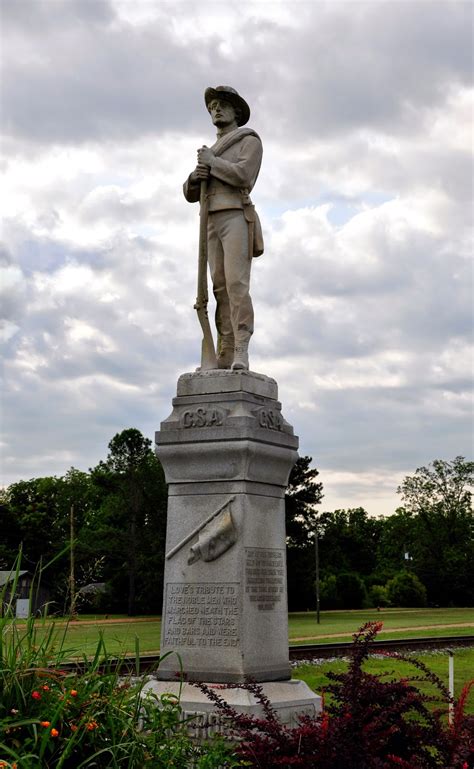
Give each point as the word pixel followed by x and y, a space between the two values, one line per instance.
pixel 269 418
pixel 202 417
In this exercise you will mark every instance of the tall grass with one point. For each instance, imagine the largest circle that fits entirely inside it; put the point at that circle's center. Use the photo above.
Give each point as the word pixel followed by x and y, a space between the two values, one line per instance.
pixel 51 718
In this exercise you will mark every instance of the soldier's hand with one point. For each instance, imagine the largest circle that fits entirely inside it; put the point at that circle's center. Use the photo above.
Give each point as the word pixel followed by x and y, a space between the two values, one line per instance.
pixel 205 156
pixel 201 173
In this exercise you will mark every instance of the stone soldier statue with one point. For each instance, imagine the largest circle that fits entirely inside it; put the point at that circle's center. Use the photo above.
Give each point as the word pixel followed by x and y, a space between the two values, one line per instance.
pixel 234 235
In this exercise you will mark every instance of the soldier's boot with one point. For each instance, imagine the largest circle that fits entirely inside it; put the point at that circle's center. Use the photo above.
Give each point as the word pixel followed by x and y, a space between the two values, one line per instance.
pixel 225 355
pixel 241 356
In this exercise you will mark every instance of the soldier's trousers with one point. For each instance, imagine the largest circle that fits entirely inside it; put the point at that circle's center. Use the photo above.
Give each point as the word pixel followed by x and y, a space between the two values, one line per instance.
pixel 229 263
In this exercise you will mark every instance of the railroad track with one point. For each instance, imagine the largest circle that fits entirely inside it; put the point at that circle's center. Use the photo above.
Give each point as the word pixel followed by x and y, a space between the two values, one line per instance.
pixel 323 651
pixel 149 662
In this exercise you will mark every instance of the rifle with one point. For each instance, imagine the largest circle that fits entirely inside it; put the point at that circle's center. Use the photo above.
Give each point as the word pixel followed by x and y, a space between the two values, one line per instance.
pixel 208 351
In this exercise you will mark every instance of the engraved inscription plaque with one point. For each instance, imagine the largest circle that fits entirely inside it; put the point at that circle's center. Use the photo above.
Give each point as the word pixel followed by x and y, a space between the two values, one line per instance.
pixel 264 576
pixel 203 614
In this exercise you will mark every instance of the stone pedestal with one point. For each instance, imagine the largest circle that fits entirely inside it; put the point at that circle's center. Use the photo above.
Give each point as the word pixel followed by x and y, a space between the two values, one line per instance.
pixel 289 699
pixel 227 453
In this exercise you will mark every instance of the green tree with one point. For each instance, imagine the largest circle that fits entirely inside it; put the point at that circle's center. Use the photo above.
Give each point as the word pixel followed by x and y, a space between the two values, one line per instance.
pixel 378 595
pixel 11 533
pixel 330 598
pixel 302 495
pixel 351 590
pixel 398 535
pixel 37 512
pixel 349 540
pixel 405 589
pixel 119 518
pixel 37 509
pixel 304 492
pixel 439 498
pixel 132 521
pixel 343 591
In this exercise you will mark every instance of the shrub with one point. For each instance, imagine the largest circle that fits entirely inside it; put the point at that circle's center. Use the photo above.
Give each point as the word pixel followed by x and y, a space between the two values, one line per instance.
pixel 50 718
pixel 405 589
pixel 378 596
pixel 372 724
pixel 54 719
pixel 328 593
pixel 351 590
pixel 346 590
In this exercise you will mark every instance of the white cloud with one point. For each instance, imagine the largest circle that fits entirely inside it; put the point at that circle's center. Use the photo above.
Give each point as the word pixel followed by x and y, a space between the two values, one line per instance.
pixel 362 297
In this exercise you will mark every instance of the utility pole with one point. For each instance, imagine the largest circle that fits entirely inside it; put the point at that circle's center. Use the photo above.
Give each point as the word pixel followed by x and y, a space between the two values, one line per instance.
pixel 451 686
pixel 72 579
pixel 316 555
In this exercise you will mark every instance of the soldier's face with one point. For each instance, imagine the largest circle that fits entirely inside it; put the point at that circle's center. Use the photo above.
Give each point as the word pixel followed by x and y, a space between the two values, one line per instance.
pixel 222 112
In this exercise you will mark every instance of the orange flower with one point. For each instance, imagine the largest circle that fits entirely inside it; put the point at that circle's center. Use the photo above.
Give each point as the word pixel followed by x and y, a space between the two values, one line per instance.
pixel 73 728
pixel 45 724
pixel 36 695
pixel 92 725
pixel 54 733
pixel 73 693
pixel 45 688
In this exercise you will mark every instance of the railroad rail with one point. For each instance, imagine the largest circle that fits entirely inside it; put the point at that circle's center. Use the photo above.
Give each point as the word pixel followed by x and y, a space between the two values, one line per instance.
pixel 150 662
pixel 342 649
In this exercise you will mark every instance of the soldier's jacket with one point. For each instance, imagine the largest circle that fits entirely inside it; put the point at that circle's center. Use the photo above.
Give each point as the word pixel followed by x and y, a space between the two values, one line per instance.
pixel 234 170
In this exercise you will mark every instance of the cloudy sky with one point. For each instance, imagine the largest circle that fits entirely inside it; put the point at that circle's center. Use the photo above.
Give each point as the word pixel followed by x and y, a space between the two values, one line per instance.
pixel 363 296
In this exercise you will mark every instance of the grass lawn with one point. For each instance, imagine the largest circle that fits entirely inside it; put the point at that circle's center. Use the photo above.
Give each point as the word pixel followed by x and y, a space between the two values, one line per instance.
pixel 397 623
pixel 120 633
pixel 437 661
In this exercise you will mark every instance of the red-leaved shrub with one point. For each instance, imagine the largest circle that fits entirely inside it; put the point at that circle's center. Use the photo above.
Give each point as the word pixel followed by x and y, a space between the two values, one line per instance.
pixel 371 723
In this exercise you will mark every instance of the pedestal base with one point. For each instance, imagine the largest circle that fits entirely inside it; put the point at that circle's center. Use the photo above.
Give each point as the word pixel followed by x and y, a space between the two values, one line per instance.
pixel 227 451
pixel 290 699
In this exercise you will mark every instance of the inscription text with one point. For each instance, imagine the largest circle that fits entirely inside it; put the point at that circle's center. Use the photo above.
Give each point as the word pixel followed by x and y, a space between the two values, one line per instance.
pixel 264 576
pixel 202 614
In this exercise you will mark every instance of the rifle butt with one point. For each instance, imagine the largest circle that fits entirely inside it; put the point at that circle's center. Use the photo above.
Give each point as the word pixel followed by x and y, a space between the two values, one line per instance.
pixel 208 353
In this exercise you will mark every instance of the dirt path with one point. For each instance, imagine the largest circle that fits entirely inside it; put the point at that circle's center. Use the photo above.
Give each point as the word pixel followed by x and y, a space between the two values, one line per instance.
pixel 388 630
pixel 348 633
pixel 123 621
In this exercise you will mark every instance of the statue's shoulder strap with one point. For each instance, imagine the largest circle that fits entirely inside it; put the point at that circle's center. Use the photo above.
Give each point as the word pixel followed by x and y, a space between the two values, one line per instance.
pixel 229 139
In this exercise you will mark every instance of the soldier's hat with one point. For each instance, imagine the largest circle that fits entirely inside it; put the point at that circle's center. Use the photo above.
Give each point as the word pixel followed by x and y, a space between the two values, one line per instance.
pixel 226 93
